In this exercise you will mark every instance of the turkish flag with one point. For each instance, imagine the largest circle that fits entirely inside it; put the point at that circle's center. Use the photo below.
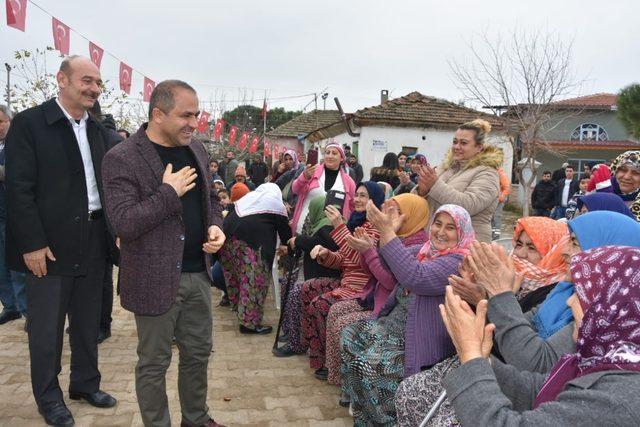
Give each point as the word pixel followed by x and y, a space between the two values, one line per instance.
pixel 244 138
pixel 125 78
pixel 61 36
pixel 203 122
pixel 267 147
pixel 217 130
pixel 232 135
pixel 95 53
pixel 149 86
pixel 253 147
pixel 283 149
pixel 264 110
pixel 17 13
pixel 275 150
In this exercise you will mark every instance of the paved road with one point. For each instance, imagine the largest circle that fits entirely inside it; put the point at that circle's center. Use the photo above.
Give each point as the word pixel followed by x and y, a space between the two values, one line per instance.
pixel 261 390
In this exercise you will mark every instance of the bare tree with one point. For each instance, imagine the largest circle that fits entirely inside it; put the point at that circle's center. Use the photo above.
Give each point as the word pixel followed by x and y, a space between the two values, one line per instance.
pixel 520 80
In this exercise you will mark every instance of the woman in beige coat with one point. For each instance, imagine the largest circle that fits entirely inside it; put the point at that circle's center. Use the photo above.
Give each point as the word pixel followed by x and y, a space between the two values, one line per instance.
pixel 468 177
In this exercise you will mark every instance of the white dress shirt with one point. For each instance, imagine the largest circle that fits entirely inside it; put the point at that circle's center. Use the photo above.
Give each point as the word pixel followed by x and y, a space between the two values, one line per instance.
pixel 80 130
pixel 565 193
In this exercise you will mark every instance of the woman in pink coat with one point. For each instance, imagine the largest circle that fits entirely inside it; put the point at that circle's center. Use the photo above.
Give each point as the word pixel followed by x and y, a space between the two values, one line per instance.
pixel 317 180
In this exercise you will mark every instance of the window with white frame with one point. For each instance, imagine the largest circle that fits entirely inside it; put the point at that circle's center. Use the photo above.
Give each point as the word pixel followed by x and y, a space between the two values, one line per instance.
pixel 589 132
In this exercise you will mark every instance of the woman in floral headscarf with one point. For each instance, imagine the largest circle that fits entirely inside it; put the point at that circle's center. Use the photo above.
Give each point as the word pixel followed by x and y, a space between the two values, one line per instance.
pixel 599 384
pixel 625 180
pixel 408 334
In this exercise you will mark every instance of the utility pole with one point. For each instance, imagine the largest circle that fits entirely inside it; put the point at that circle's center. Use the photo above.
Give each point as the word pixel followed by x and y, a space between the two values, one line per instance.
pixel 315 99
pixel 8 85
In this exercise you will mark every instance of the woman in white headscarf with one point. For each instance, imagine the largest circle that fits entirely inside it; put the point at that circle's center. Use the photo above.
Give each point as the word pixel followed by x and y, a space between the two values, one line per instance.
pixel 252 229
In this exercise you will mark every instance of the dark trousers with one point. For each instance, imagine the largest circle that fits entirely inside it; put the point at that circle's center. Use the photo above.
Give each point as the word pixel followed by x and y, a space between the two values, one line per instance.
pixel 107 298
pixel 51 299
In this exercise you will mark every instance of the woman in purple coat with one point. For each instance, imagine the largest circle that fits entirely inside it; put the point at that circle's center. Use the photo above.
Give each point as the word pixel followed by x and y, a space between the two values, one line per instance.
pixel 409 334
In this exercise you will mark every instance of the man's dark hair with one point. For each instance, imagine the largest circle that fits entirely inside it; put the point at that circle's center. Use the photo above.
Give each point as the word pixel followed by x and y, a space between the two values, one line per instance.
pixel 546 173
pixel 162 96
pixel 126 132
pixel 568 167
pixel 223 190
pixel 214 161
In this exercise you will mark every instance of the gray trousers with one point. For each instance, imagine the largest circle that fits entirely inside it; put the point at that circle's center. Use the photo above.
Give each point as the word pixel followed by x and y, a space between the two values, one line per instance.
pixel 189 320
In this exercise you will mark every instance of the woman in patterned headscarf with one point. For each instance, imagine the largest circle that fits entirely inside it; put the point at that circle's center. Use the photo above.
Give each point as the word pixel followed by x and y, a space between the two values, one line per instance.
pixel 598 384
pixel 408 334
pixel 625 180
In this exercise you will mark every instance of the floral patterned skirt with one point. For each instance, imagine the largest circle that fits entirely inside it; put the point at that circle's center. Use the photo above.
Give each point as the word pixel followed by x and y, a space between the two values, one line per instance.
pixel 417 394
pixel 248 278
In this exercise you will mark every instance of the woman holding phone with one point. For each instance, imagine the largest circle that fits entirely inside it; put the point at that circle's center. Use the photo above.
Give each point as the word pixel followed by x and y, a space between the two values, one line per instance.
pixel 317 179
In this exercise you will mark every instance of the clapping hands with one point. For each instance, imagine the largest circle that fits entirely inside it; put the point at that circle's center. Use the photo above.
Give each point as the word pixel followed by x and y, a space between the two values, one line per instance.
pixel 470 334
pixel 360 240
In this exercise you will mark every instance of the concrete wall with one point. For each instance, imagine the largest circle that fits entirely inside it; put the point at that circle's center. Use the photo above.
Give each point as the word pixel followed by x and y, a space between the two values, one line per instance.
pixel 283 145
pixel 376 141
pixel 576 158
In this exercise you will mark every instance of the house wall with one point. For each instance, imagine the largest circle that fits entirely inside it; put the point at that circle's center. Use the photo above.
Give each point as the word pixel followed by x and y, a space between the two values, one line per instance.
pixel 433 143
pixel 569 121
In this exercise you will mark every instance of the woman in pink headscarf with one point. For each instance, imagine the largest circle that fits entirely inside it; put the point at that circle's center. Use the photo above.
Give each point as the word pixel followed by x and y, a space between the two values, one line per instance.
pixel 599 384
pixel 316 180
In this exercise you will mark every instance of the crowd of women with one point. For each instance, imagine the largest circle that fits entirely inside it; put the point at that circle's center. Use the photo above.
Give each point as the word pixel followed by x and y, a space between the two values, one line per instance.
pixel 405 304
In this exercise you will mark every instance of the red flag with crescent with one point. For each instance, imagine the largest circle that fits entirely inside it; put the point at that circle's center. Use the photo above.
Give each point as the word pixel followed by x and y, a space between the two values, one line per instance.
pixel 125 78
pixel 61 36
pixel 95 53
pixel 203 122
pixel 276 150
pixel 244 138
pixel 253 147
pixel 233 132
pixel 267 147
pixel 149 86
pixel 217 130
pixel 17 13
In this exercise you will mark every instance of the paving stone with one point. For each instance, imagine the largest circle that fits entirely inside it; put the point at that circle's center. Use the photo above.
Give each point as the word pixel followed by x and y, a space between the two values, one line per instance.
pixel 264 390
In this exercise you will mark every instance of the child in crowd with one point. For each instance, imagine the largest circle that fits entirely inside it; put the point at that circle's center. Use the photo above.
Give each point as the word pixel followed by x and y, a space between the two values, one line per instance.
pixel 572 205
pixel 225 200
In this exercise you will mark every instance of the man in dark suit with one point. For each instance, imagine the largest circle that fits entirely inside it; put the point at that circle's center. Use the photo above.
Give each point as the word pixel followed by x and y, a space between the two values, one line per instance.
pixel 57 234
pixel 162 205
pixel 566 188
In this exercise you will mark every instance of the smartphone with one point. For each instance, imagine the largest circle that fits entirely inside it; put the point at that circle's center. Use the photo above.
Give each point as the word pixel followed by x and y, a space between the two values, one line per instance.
pixel 335 198
pixel 312 157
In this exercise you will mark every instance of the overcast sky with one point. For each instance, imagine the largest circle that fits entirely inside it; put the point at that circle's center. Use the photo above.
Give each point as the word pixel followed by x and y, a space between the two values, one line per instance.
pixel 354 48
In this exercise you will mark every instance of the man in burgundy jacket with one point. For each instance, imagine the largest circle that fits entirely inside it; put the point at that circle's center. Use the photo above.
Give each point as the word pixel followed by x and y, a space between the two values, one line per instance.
pixel 162 207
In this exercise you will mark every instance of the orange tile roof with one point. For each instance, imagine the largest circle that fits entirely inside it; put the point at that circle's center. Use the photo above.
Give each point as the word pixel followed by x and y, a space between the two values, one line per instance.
pixel 416 109
pixel 595 145
pixel 595 100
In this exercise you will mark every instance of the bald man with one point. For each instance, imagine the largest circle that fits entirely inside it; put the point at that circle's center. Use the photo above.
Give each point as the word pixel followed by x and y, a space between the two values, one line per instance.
pixel 57 234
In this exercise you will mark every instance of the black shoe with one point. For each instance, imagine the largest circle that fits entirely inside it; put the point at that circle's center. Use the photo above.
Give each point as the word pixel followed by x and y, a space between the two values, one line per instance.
pixel 224 301
pixel 321 374
pixel 57 414
pixel 8 316
pixel 260 330
pixel 345 400
pixel 99 398
pixel 103 335
pixel 284 351
pixel 283 338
